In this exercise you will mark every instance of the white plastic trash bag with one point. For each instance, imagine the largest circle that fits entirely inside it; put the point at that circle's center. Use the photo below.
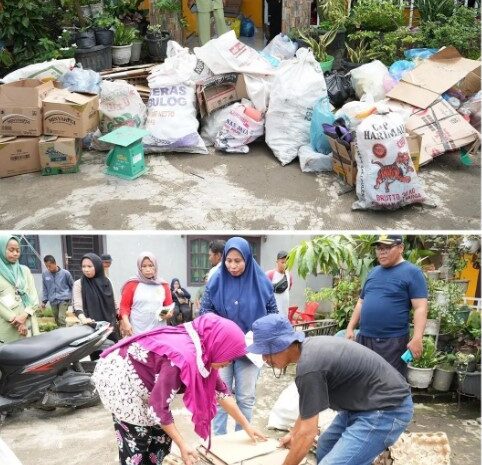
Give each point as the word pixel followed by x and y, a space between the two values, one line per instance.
pixel 314 162
pixel 212 124
pixel 386 177
pixel 7 456
pixel 227 54
pixel 297 86
pixel 369 79
pixel 281 48
pixel 238 130
pixel 258 89
pixel 355 112
pixel 200 69
pixel 171 108
pixel 46 70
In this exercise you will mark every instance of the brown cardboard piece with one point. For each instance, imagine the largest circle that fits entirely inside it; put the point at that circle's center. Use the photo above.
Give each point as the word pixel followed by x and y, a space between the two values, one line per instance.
pixel 218 91
pixel 59 155
pixel 344 163
pixel 441 127
pixel 414 142
pixel 423 85
pixel 21 107
pixel 18 155
pixel 69 114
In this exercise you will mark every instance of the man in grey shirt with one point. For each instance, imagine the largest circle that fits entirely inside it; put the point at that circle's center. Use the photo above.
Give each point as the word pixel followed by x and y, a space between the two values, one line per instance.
pixel 372 398
pixel 57 285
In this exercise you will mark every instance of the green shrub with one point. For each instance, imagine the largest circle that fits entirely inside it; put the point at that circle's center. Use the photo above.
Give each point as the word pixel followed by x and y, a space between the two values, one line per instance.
pixel 376 15
pixel 430 356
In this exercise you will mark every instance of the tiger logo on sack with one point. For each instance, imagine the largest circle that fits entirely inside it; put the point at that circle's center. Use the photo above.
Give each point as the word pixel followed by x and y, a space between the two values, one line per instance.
pixel 394 172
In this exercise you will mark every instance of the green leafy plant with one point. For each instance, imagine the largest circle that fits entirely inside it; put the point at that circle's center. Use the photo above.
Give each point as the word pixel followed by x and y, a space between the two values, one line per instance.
pixel 376 15
pixel 320 45
pixel 334 11
pixel 357 54
pixel 169 7
pixel 430 9
pixel 105 21
pixel 124 35
pixel 430 356
pixel 461 30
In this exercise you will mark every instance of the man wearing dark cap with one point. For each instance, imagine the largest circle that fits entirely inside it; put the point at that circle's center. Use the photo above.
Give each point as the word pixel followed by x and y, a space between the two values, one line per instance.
pixel 106 262
pixel 372 398
pixel 390 291
pixel 282 281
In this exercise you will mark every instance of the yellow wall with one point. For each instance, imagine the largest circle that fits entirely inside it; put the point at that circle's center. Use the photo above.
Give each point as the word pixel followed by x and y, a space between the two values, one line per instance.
pixel 251 9
pixel 470 273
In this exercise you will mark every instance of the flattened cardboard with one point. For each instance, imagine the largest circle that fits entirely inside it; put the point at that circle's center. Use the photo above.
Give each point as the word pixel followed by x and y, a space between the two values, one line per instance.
pixel 68 114
pixel 21 107
pixel 218 91
pixel 59 155
pixel 414 142
pixel 18 155
pixel 344 163
pixel 423 85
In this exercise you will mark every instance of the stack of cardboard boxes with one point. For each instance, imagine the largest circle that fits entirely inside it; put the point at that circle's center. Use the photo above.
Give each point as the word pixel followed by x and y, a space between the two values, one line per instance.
pixel 41 127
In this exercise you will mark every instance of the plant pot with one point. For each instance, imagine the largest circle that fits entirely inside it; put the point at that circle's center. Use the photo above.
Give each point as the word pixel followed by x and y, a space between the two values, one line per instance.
pixel 419 377
pixel 96 9
pixel 85 39
pixel 85 9
pixel 327 65
pixel 442 378
pixel 463 315
pixel 158 45
pixel 349 65
pixel 104 36
pixel 121 54
pixel 433 274
pixel 136 51
pixel 469 367
pixel 462 283
pixel 97 58
pixel 444 340
pixel 469 383
pixel 432 327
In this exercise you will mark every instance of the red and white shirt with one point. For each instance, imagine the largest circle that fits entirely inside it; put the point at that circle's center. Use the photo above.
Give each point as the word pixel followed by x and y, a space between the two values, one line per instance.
pixel 143 304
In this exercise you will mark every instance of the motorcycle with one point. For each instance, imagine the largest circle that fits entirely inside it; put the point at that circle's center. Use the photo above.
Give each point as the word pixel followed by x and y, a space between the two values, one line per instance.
pixel 44 371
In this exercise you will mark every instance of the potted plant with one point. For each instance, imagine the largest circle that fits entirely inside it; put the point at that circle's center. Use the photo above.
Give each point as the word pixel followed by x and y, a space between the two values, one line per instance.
pixel 420 371
pixel 157 39
pixel 356 56
pixel 104 26
pixel 376 15
pixel 121 50
pixel 319 47
pixel 96 8
pixel 444 373
pixel 468 379
pixel 85 37
pixel 136 47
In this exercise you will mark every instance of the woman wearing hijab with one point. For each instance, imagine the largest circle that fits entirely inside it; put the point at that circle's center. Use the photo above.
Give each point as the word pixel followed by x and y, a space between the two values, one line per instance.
pixel 18 295
pixel 138 378
pixel 93 296
pixel 182 306
pixel 241 292
pixel 146 300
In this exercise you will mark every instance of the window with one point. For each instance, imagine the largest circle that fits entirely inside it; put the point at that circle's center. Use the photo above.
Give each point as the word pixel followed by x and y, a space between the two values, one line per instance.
pixel 30 253
pixel 198 248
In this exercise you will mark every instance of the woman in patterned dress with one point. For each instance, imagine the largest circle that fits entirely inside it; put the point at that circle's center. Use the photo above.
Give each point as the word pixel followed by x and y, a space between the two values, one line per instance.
pixel 138 378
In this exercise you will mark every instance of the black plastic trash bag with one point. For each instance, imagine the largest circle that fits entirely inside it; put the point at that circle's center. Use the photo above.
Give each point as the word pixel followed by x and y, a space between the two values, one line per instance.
pixel 339 88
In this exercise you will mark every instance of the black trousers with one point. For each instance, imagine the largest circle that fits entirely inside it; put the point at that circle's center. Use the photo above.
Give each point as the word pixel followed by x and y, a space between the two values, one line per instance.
pixel 274 17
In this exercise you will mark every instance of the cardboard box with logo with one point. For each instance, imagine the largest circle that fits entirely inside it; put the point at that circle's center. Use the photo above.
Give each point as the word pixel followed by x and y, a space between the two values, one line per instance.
pixel 21 107
pixel 218 91
pixel 69 114
pixel 18 155
pixel 59 155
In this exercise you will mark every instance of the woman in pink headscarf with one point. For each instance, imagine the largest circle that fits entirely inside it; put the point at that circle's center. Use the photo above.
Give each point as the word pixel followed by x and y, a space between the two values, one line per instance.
pixel 138 378
pixel 146 300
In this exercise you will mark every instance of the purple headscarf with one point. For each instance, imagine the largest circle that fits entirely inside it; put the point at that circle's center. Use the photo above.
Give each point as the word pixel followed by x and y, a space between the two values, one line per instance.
pixel 221 341
pixel 139 277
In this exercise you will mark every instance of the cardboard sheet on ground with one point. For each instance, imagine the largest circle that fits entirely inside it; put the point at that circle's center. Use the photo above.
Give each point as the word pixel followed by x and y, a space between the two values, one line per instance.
pixel 236 448
pixel 423 85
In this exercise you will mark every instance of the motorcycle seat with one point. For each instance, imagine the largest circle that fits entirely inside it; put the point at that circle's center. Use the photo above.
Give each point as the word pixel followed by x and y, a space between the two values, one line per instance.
pixel 32 349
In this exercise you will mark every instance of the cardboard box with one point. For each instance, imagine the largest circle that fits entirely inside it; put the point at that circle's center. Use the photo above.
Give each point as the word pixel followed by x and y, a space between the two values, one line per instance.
pixel 344 163
pixel 18 155
pixel 422 86
pixel 69 114
pixel 414 142
pixel 441 127
pixel 59 155
pixel 21 107
pixel 218 91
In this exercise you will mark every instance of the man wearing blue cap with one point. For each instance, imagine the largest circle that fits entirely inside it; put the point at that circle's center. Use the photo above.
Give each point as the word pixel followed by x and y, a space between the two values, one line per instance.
pixel 372 398
pixel 390 291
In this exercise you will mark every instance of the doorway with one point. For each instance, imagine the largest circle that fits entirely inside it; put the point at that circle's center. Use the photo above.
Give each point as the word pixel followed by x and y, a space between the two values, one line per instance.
pixel 75 247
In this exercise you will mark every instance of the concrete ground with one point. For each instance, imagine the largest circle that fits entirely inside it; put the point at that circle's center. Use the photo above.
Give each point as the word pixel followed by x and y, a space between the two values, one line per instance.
pixel 85 437
pixel 230 192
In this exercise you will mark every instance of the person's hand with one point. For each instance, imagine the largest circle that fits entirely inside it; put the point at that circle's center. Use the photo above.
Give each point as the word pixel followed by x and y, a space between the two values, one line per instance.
pixel 255 434
pixel 166 316
pixel 189 455
pixel 285 441
pixel 416 347
pixel 125 328
pixel 84 320
pixel 350 334
pixel 22 330
pixel 19 320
